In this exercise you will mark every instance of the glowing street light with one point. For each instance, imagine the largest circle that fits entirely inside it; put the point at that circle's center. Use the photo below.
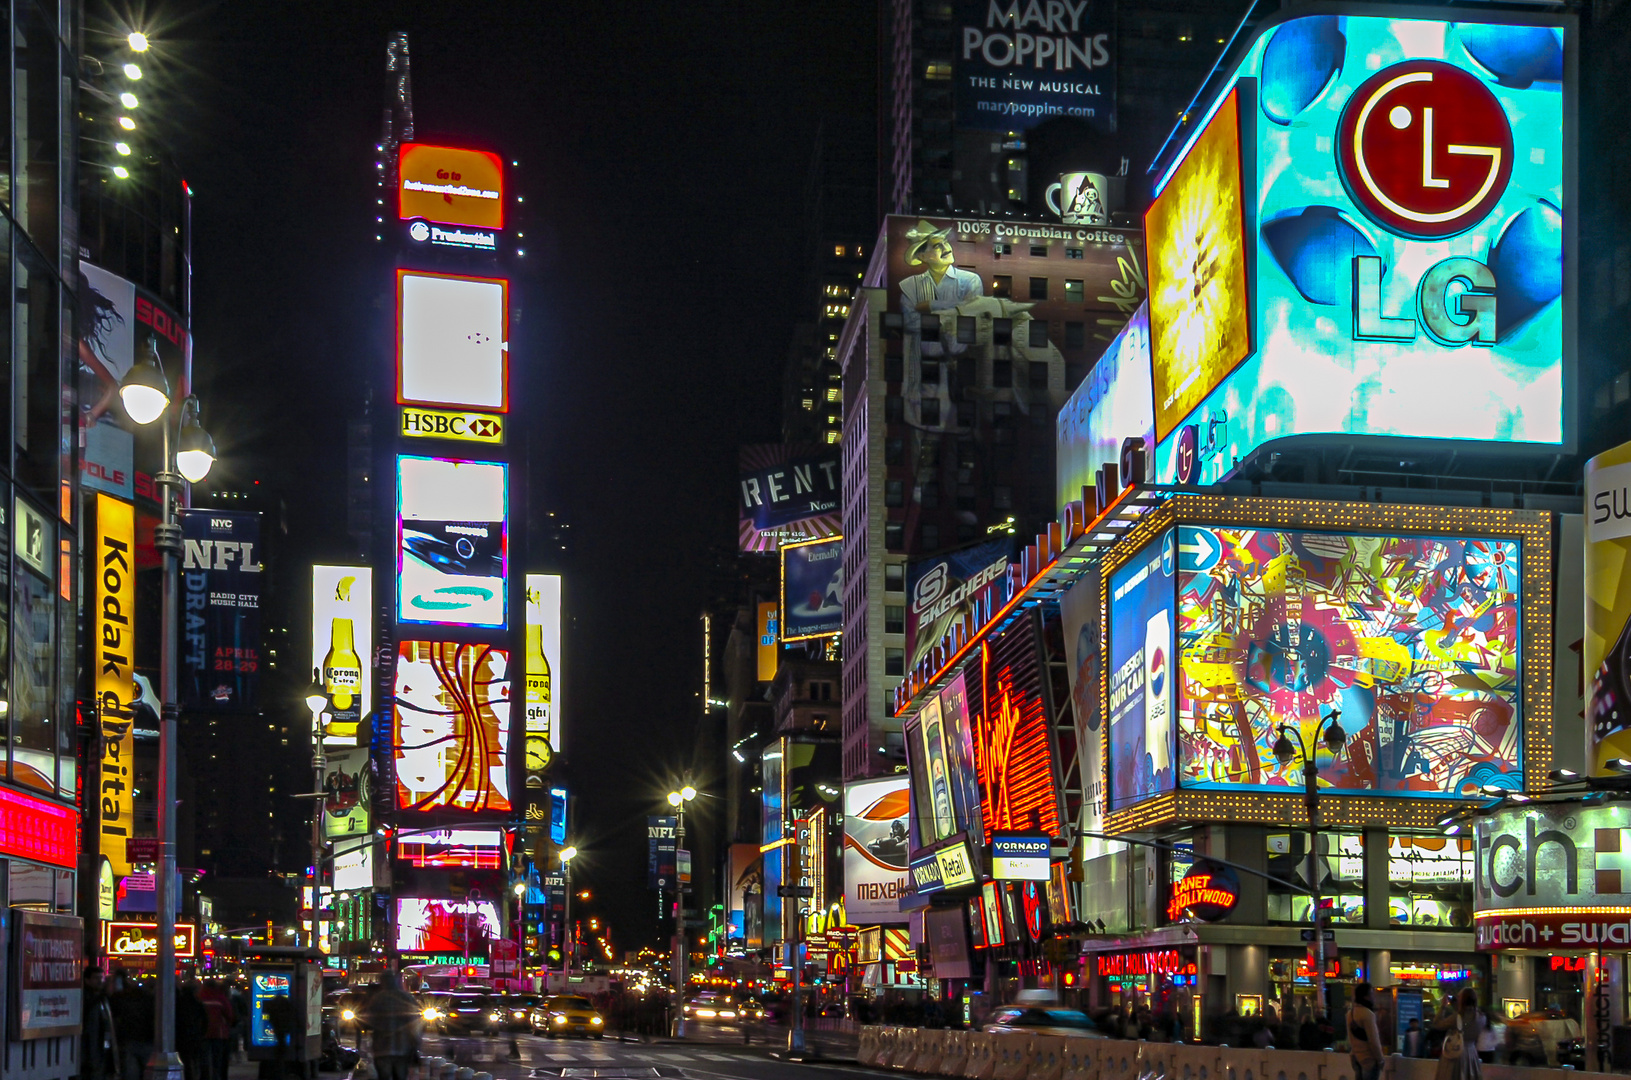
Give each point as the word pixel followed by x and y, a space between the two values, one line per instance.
pixel 123 148
pixel 128 100
pixel 137 41
pixel 127 123
pixel 132 72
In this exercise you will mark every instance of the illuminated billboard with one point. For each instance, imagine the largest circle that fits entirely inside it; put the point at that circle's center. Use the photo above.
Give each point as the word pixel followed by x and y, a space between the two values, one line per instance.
pixel 940 753
pixel 942 590
pixel 1607 644
pixel 342 649
pixel 464 927
pixel 1140 673
pixel 768 650
pixel 347 793
pixel 452 552
pixel 543 659
pixel 1199 324
pixel 876 855
pixel 470 849
pixel 452 341
pixel 450 186
pixel 1018 66
pixel 1411 200
pixel 1013 752
pixel 450 733
pixel 1415 639
pixel 812 589
pixel 1112 404
pixel 1551 876
pixel 787 493
pixel 354 864
pixel 115 645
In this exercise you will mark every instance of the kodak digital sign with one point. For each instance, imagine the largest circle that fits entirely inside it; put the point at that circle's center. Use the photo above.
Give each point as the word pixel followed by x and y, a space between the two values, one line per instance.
pixel 1399 259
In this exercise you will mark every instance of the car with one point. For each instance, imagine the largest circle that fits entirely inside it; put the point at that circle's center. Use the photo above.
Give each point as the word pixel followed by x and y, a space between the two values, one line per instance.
pixel 568 1014
pixel 712 1005
pixel 515 1011
pixel 461 1013
pixel 1545 1037
pixel 1043 1020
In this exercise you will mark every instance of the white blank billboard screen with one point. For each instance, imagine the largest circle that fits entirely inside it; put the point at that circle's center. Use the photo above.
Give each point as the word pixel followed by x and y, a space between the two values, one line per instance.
pixel 452 340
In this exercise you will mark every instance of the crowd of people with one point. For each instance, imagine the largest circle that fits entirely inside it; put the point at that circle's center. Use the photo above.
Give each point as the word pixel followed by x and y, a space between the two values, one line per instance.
pixel 211 1019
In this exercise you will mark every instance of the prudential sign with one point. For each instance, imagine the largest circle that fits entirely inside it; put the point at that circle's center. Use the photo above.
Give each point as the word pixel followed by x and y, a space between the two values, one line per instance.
pixel 1555 876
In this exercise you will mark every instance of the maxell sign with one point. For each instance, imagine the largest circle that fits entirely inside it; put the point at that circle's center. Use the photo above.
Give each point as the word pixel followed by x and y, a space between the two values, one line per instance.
pixel 1553 876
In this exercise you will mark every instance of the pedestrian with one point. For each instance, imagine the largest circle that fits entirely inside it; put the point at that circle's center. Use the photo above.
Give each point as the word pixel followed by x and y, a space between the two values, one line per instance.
pixel 1364 1041
pixel 393 1018
pixel 191 1020
pixel 220 1022
pixel 99 1050
pixel 1308 1032
pixel 1458 1054
pixel 1489 1038
pixel 132 1007
pixel 1412 1038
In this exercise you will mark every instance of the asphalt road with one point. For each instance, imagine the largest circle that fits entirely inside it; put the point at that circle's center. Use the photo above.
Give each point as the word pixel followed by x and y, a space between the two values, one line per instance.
pixel 712 1054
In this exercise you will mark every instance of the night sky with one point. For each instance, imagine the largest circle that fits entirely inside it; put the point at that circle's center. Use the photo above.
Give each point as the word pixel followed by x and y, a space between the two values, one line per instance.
pixel 665 149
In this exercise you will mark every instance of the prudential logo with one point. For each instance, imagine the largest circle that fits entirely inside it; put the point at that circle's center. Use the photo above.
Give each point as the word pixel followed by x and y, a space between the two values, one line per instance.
pixel 419 232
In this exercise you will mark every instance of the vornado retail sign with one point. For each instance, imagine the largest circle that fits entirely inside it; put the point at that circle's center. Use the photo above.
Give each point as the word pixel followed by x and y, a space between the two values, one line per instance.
pixel 1553 876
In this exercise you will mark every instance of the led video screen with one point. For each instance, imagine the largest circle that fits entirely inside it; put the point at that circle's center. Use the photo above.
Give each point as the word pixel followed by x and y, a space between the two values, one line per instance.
pixel 812 589
pixel 471 849
pixel 452 543
pixel 452 340
pixel 1414 638
pixel 451 730
pixel 1140 674
pixel 446 926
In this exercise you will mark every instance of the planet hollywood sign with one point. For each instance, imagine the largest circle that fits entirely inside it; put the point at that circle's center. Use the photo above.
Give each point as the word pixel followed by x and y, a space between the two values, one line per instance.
pixel 1553 876
pixel 1156 962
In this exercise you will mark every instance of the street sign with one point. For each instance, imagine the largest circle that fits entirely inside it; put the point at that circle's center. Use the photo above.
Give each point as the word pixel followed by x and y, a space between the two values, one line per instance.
pixel 795 892
pixel 1308 935
pixel 140 849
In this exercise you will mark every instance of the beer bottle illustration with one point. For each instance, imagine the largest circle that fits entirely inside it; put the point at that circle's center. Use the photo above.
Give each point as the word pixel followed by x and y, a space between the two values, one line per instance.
pixel 538 695
pixel 342 671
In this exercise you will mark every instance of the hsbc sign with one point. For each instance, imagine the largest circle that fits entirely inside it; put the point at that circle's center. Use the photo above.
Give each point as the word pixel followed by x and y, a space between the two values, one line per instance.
pixel 458 426
pixel 1553 876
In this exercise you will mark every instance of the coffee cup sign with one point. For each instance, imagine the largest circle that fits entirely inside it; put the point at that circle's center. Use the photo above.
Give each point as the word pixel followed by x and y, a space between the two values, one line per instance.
pixel 1080 198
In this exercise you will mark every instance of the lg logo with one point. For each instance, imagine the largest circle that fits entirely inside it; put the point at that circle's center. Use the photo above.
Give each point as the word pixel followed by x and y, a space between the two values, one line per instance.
pixel 1425 149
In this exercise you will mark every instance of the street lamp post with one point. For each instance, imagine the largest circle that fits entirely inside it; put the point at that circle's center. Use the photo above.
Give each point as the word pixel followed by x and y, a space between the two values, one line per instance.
pixel 567 855
pixel 1284 752
pixel 317 700
pixel 678 799
pixel 145 392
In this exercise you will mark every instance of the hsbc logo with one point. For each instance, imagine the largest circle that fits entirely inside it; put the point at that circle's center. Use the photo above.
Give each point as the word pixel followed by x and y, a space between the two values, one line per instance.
pixel 1425 149
pixel 459 426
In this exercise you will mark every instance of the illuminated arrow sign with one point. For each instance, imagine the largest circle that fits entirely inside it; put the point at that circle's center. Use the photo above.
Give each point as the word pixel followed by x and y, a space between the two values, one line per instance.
pixel 1198 550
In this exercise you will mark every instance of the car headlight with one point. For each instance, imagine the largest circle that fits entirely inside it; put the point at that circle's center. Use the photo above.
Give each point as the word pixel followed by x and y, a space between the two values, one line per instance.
pixel 495 1016
pixel 430 1014
pixel 727 1015
pixel 347 1014
pixel 706 1012
pixel 558 1020
pixel 596 1021
pixel 518 1014
pixel 687 1009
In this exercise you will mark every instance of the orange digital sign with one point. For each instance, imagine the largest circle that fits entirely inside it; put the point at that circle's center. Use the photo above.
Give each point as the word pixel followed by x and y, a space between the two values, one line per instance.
pixel 1200 328
pixel 450 186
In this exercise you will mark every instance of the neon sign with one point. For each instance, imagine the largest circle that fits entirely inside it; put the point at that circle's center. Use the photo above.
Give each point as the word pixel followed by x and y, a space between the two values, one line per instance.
pixel 127 939
pixel 1206 892
pixel 1012 752
pixel 1158 962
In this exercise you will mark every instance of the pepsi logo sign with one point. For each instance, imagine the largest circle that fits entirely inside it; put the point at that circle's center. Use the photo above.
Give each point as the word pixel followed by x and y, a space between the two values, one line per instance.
pixel 1158 670
pixel 1425 149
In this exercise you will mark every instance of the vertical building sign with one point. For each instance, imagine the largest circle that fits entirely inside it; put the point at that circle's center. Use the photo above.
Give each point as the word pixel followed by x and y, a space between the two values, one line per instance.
pixel 769 627
pixel 114 643
pixel 220 609
pixel 342 634
pixel 543 655
pixel 1607 650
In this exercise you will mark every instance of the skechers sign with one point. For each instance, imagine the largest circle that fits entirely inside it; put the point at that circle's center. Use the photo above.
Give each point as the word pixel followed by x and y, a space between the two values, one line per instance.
pixel 1409 198
pixel 1553 876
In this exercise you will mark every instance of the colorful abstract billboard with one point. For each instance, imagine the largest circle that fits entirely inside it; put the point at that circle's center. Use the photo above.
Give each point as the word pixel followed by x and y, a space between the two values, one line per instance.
pixel 342 649
pixel 812 589
pixel 1410 188
pixel 451 731
pixel 452 541
pixel 968 584
pixel 1013 752
pixel 1414 639
pixel 1200 327
pixel 544 659
pixel 452 341
pixel 1607 647
pixel 876 856
pixel 1140 673
pixel 940 750
pixel 1111 405
pixel 787 494
pixel 1019 65
pixel 463 927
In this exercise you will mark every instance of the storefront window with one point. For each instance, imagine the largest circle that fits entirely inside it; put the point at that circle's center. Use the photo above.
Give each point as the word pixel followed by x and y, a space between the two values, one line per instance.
pixel 1340 864
pixel 1430 881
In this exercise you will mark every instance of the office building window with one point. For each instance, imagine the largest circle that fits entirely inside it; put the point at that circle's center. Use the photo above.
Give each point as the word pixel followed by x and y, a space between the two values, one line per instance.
pixel 1002 285
pixel 931 536
pixel 1039 251
pixel 965 414
pixel 930 492
pixel 1002 497
pixel 894 619
pixel 1075 335
pixel 1340 863
pixel 894 577
pixel 931 411
pixel 1002 331
pixel 1073 253
pixel 808 403
pixel 832 436
pixel 894 450
pixel 894 661
pixel 894 410
pixel 892 369
pixel 965 329
pixel 894 535
pixel 893 493
pixel 1073 292
pixel 1002 373
pixel 1038 331
pixel 938 70
pixel 833 393
pixel 931 372
pixel 1039 288
pixel 1039 376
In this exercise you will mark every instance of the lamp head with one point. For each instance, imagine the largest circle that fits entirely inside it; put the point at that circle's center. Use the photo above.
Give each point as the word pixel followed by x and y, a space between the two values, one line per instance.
pixel 1283 750
pixel 568 854
pixel 1335 737
pixel 195 450
pixel 675 798
pixel 144 389
pixel 316 696
pixel 687 793
pixel 521 888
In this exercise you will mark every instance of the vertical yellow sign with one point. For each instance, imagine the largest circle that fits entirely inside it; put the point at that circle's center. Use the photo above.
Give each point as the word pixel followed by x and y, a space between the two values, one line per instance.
pixel 1607 650
pixel 769 641
pixel 114 651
